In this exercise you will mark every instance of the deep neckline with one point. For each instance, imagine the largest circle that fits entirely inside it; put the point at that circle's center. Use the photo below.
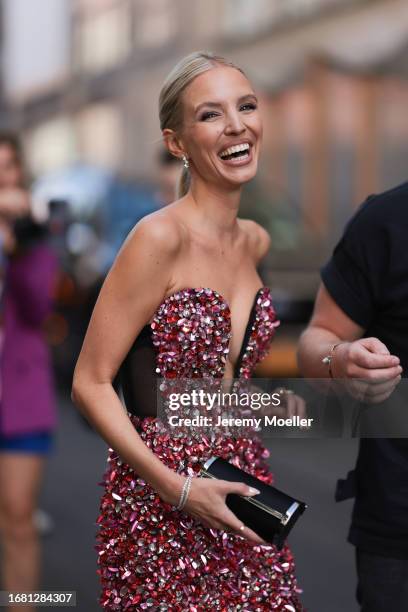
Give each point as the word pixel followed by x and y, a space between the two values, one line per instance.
pixel 248 327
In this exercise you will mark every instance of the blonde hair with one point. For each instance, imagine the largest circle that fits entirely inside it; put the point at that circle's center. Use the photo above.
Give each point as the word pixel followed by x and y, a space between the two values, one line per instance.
pixel 170 99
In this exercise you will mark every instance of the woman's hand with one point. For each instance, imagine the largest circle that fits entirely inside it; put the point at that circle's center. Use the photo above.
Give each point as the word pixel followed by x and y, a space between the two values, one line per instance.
pixel 7 237
pixel 206 502
pixel 370 371
pixel 14 203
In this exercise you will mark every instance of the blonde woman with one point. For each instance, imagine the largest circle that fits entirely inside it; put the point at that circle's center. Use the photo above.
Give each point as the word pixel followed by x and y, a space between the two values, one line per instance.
pixel 197 260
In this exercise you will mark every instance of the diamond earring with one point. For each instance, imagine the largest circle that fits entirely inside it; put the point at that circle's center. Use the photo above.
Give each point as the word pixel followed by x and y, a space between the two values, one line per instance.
pixel 186 163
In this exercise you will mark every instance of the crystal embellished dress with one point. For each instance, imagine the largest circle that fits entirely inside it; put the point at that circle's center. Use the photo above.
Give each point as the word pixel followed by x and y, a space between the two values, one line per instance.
pixel 152 556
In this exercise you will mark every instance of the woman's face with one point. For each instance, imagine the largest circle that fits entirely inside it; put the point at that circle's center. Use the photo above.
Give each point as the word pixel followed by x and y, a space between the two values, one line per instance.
pixel 222 127
pixel 10 169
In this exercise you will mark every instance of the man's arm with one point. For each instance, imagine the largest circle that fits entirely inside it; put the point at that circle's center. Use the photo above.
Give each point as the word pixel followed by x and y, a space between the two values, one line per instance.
pixel 328 325
pixel 357 357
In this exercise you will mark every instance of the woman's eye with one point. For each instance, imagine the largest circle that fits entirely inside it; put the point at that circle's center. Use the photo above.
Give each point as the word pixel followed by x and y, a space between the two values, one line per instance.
pixel 248 106
pixel 208 115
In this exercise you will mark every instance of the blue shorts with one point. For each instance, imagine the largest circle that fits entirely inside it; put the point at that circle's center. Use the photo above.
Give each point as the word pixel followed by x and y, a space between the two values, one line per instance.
pixel 39 443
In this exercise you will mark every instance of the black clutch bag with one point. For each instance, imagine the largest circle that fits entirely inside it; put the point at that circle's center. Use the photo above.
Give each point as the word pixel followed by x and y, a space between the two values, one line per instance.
pixel 271 514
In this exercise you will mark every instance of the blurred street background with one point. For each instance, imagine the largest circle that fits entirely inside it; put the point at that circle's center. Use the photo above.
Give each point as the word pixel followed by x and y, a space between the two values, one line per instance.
pixel 79 83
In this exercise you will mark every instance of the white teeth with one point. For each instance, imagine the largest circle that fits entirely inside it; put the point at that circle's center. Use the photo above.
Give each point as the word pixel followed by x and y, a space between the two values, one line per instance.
pixel 235 149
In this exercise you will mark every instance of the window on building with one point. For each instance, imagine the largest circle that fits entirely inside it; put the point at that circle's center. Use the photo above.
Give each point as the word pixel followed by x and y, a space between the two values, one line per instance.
pixel 246 17
pixel 100 135
pixel 51 145
pixel 155 22
pixel 102 37
pixel 35 52
pixel 243 17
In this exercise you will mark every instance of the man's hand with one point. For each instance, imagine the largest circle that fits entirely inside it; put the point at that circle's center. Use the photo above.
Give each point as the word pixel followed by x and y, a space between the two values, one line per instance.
pixel 372 373
pixel 290 405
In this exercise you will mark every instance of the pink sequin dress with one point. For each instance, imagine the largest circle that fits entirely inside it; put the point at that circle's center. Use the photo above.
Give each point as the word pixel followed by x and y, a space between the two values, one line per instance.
pixel 152 556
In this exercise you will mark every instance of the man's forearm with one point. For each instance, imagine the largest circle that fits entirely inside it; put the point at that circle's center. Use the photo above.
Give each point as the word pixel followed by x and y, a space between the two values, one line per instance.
pixel 315 344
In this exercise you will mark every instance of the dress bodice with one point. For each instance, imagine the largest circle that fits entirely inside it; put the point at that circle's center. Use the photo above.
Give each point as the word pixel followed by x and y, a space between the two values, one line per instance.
pixel 207 568
pixel 189 337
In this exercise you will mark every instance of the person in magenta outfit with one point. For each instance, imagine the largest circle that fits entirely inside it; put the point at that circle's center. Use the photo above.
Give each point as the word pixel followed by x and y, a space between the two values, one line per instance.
pixel 27 394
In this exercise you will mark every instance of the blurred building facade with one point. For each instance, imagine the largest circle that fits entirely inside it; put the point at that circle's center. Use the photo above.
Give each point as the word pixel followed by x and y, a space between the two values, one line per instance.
pixel 80 80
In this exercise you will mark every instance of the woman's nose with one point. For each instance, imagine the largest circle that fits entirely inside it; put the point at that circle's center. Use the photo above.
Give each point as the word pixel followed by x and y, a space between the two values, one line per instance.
pixel 234 124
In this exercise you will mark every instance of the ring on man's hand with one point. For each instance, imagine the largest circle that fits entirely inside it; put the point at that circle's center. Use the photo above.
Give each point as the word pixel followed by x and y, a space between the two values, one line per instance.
pixel 284 391
pixel 242 528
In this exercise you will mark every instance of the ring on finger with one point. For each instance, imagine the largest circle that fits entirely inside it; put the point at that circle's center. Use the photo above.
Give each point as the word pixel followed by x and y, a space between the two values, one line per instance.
pixel 284 391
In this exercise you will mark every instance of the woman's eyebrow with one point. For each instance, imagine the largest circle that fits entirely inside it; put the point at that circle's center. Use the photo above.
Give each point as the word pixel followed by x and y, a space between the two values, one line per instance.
pixel 207 104
pixel 218 104
pixel 248 97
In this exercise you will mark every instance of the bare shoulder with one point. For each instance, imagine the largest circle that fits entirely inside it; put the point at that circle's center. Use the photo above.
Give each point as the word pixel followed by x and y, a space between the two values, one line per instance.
pixel 258 238
pixel 158 230
pixel 149 252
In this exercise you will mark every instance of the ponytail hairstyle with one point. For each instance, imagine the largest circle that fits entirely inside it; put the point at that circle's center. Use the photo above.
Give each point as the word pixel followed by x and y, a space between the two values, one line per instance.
pixel 170 99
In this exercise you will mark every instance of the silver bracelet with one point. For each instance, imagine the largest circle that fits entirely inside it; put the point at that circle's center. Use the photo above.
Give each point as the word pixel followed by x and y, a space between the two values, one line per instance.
pixel 184 492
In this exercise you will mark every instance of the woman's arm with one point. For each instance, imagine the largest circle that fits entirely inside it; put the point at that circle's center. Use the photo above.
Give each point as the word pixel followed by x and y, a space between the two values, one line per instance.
pixel 136 284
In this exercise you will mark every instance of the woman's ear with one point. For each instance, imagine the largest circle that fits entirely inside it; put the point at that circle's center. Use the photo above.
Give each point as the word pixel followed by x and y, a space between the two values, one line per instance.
pixel 173 143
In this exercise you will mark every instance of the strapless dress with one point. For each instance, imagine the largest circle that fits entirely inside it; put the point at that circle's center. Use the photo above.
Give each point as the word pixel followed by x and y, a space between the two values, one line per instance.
pixel 152 556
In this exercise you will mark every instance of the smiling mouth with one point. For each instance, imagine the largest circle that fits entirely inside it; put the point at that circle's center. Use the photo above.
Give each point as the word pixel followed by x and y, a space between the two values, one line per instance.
pixel 237 152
